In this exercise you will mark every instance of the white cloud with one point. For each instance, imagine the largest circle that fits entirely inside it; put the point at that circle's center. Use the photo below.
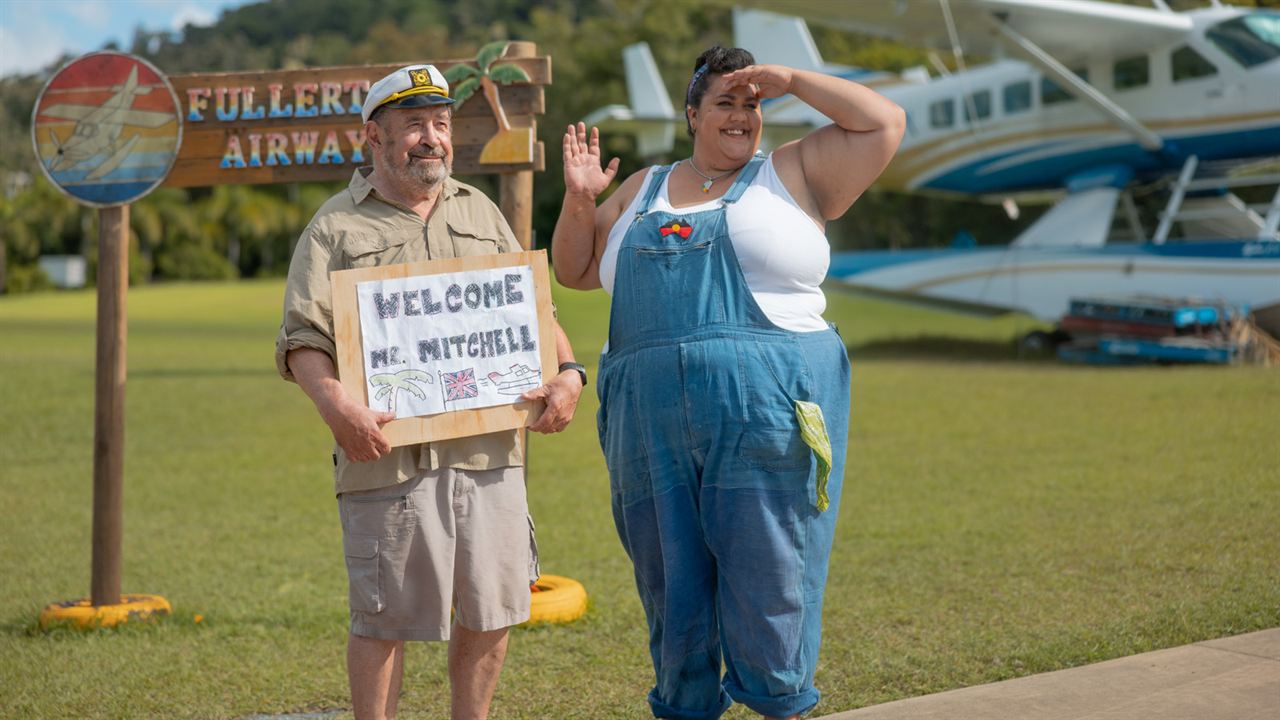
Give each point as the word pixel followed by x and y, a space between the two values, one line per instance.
pixel 35 33
pixel 93 13
pixel 32 46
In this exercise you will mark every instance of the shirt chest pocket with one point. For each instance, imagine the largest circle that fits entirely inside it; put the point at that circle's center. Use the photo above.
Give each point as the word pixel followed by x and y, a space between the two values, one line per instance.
pixel 472 238
pixel 372 249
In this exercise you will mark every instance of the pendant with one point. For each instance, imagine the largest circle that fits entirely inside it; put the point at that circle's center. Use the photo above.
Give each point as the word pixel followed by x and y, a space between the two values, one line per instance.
pixel 706 186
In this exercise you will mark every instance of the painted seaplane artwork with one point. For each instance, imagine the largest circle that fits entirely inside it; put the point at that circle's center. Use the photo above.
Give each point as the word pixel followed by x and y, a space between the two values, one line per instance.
pixel 518 380
pixel 1082 102
pixel 107 128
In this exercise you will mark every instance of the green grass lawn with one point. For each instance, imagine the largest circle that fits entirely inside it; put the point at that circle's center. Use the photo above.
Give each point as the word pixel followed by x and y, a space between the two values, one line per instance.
pixel 1001 517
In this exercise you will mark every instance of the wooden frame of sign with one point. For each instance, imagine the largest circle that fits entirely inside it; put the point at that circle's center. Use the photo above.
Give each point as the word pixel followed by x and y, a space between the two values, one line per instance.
pixel 456 423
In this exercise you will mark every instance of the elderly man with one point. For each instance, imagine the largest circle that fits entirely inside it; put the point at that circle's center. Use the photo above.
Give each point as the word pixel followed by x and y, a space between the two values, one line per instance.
pixel 426 528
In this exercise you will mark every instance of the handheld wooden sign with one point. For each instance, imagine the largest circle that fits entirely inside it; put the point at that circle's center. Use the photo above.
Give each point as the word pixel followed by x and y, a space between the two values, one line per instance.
pixel 448 345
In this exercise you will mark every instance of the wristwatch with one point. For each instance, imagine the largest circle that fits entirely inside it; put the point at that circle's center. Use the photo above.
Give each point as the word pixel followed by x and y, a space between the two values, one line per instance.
pixel 582 370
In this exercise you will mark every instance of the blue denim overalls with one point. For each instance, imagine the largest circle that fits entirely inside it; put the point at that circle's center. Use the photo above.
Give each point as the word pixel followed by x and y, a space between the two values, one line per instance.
pixel 714 491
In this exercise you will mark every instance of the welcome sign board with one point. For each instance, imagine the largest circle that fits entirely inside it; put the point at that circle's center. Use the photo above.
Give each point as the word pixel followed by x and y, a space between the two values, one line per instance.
pixel 447 345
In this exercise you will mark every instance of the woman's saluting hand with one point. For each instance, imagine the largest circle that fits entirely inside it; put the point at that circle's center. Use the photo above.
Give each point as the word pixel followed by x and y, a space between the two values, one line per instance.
pixel 583 173
pixel 765 81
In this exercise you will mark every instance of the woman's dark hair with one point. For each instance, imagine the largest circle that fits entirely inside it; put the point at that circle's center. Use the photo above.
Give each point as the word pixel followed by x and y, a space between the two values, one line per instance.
pixel 713 61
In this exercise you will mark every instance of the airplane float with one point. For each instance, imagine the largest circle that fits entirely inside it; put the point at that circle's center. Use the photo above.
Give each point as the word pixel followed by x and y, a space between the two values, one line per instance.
pixel 1084 99
pixel 99 128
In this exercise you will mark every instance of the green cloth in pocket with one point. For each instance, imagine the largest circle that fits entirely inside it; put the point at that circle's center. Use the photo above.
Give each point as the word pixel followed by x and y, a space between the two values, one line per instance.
pixel 813 429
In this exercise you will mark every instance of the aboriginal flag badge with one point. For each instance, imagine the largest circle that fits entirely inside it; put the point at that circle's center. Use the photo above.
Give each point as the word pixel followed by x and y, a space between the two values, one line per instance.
pixel 684 230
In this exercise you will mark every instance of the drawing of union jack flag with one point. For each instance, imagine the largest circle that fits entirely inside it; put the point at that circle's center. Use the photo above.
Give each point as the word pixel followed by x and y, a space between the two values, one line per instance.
pixel 459 385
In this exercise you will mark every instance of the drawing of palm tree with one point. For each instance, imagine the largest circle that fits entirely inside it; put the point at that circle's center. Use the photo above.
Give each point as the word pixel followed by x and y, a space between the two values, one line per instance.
pixel 509 145
pixel 392 383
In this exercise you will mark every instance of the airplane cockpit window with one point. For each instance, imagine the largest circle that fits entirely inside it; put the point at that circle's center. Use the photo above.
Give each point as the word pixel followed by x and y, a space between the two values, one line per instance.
pixel 1017 97
pixel 942 114
pixel 1051 92
pixel 1250 40
pixel 1187 64
pixel 978 106
pixel 1131 72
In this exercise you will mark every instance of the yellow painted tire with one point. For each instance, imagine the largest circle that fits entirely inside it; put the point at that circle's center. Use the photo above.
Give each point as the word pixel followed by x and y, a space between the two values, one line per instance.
pixel 557 599
pixel 83 614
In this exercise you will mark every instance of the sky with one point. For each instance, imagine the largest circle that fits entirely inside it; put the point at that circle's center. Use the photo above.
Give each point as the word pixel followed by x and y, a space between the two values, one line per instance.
pixel 34 33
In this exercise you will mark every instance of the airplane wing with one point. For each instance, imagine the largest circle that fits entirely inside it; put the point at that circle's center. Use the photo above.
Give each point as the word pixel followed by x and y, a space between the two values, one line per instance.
pixel 68 112
pixel 141 118
pixel 1068 29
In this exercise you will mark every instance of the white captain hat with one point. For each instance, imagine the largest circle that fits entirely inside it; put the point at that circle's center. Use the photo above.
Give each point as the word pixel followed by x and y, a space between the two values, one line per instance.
pixel 410 86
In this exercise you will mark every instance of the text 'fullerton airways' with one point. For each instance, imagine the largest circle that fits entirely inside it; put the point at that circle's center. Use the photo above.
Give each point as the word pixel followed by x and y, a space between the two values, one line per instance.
pixel 328 102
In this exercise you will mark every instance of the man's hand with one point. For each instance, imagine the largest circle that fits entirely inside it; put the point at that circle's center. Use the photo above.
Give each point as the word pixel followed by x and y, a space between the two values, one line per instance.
pixel 358 431
pixel 562 395
pixel 356 428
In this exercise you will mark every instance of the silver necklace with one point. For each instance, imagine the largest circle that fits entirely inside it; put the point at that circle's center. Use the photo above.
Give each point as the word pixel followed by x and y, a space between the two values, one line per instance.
pixel 706 186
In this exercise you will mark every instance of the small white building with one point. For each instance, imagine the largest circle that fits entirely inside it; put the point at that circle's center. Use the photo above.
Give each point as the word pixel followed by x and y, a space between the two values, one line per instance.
pixel 66 271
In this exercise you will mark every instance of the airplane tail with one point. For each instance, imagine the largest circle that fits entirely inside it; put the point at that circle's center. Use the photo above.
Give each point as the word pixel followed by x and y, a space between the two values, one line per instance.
pixel 650 118
pixel 131 84
pixel 776 39
pixel 649 99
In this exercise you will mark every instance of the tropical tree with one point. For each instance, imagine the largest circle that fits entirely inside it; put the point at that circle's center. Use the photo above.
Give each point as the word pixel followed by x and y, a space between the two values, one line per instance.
pixel 391 384
pixel 509 144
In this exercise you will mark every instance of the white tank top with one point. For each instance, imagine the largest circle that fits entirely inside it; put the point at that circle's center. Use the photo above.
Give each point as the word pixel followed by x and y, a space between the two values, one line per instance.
pixel 783 255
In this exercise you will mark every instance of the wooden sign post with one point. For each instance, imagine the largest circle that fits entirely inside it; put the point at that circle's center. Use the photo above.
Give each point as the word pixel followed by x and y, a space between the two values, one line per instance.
pixel 109 127
pixel 108 404
pixel 106 129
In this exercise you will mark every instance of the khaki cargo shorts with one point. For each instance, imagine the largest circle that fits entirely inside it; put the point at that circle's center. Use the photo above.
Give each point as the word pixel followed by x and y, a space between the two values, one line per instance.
pixel 447 539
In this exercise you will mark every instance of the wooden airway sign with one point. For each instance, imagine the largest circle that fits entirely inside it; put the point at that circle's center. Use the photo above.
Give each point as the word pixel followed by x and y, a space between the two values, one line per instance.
pixel 305 125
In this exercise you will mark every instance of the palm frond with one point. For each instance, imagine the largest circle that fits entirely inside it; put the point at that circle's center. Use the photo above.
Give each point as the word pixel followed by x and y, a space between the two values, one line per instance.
pixel 464 90
pixel 385 391
pixel 458 73
pixel 383 379
pixel 507 73
pixel 414 390
pixel 416 375
pixel 491 52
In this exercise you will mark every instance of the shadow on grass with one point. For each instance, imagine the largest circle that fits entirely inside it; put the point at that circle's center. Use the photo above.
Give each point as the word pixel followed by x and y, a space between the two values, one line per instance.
pixel 941 347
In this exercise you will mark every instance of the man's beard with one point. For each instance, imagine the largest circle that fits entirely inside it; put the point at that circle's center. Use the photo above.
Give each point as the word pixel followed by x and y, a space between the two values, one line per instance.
pixel 424 174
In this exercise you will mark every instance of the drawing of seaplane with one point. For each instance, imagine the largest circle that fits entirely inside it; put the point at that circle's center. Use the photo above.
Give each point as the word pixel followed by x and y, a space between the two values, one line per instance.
pixel 1083 101
pixel 99 129
pixel 519 379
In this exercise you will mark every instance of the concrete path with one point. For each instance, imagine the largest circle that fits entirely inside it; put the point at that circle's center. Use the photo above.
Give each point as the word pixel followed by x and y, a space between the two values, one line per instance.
pixel 1236 678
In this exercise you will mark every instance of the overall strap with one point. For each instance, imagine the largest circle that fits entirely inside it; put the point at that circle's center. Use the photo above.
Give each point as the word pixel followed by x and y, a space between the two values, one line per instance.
pixel 744 179
pixel 655 184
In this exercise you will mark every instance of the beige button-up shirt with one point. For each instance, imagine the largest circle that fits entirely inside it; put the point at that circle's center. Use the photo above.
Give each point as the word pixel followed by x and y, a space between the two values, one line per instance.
pixel 359 228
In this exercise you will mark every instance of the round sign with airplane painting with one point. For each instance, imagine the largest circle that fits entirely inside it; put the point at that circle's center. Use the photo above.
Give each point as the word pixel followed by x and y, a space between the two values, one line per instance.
pixel 107 128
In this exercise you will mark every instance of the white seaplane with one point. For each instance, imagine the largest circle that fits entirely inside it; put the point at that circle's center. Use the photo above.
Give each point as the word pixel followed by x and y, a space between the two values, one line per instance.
pixel 99 129
pixel 1101 99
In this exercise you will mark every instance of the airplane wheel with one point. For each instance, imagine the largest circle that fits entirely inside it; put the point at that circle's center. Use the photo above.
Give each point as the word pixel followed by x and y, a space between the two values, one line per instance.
pixel 557 599
pixel 1036 341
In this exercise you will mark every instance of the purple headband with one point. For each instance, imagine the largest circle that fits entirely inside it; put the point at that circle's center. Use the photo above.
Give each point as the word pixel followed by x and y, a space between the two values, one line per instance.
pixel 688 95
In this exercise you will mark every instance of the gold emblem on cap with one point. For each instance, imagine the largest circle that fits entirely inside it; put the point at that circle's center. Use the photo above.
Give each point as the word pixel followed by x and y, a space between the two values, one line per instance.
pixel 420 77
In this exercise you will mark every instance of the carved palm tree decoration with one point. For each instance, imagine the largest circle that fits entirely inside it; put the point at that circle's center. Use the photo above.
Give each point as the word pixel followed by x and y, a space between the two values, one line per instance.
pixel 509 145
pixel 392 383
